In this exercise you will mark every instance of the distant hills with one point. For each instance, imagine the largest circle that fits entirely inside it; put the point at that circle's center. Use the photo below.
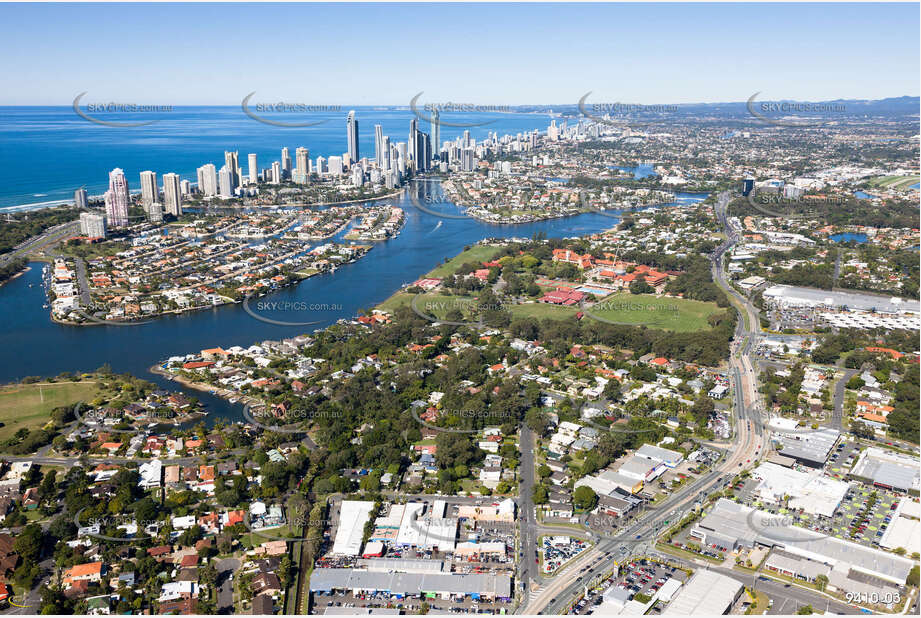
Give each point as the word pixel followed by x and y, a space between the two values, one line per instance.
pixel 892 106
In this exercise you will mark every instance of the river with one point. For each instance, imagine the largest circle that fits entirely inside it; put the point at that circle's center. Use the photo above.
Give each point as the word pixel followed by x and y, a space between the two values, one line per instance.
pixel 32 345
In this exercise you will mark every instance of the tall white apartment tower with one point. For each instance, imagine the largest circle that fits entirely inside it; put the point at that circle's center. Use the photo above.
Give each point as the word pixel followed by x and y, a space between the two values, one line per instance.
pixel 207 180
pixel 117 198
pixel 232 161
pixel 286 162
pixel 302 165
pixel 385 154
pixel 253 169
pixel 172 194
pixel 436 134
pixel 149 193
pixel 379 145
pixel 80 200
pixel 226 182
pixel 351 125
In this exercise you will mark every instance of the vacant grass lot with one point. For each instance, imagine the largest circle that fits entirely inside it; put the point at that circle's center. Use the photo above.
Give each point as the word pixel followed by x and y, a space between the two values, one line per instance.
pixel 675 314
pixel 541 311
pixel 477 253
pixel 433 303
pixel 29 405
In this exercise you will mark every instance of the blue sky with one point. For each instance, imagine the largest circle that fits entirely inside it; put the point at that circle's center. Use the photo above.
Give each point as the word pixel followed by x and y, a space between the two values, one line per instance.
pixel 364 54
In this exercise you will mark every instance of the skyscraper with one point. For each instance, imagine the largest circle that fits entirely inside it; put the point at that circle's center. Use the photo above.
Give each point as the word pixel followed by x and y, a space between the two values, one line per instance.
pixel 401 160
pixel 80 200
pixel 385 154
pixel 117 199
pixel 276 172
pixel 207 180
pixel 302 165
pixel 436 134
pixel 468 160
pixel 253 169
pixel 413 139
pixel 352 136
pixel 286 162
pixel 232 161
pixel 172 194
pixel 421 151
pixel 226 182
pixel 379 145
pixel 149 193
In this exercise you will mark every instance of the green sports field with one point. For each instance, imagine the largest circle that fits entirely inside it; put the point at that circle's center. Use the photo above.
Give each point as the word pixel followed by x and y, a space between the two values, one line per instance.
pixel 675 314
pixel 30 405
pixel 899 183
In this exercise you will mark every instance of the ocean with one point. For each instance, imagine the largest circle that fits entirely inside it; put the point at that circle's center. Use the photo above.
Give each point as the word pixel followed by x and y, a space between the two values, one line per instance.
pixel 46 153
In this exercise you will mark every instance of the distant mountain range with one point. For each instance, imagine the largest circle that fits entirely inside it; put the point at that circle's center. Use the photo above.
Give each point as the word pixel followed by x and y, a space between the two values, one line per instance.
pixel 893 106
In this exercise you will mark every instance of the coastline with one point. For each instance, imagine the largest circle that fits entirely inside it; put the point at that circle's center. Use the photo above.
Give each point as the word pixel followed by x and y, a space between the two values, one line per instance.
pixel 218 391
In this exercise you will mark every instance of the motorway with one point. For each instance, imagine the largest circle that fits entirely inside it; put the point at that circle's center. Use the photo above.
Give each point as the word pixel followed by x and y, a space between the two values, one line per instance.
pixel 748 446
pixel 52 235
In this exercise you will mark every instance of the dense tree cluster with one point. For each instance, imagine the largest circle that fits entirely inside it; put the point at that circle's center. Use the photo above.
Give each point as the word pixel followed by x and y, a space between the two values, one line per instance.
pixel 10 269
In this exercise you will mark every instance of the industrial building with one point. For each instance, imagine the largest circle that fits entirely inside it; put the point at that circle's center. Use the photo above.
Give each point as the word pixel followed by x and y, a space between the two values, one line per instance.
pixel 905 528
pixel 399 584
pixel 733 526
pixel 353 514
pixel 886 469
pixel 814 493
pixel 707 593
pixel 504 511
pixel 647 464
pixel 668 457
pixel 809 448
pixel 799 297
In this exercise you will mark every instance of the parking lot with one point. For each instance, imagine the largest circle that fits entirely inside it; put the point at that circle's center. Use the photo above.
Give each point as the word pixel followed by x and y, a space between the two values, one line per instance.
pixel 841 459
pixel 862 517
pixel 639 577
pixel 409 605
pixel 555 551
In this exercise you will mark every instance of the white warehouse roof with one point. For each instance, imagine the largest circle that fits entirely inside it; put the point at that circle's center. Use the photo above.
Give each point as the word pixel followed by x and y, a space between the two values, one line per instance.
pixel 707 593
pixel 352 517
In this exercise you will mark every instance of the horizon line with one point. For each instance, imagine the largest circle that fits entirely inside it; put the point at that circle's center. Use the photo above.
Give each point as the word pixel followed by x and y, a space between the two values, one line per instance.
pixel 556 104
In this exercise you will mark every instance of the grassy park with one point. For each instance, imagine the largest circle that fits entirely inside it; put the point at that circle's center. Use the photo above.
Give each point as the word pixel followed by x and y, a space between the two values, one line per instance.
pixel 666 313
pixel 29 405
pixel 899 183
pixel 476 253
